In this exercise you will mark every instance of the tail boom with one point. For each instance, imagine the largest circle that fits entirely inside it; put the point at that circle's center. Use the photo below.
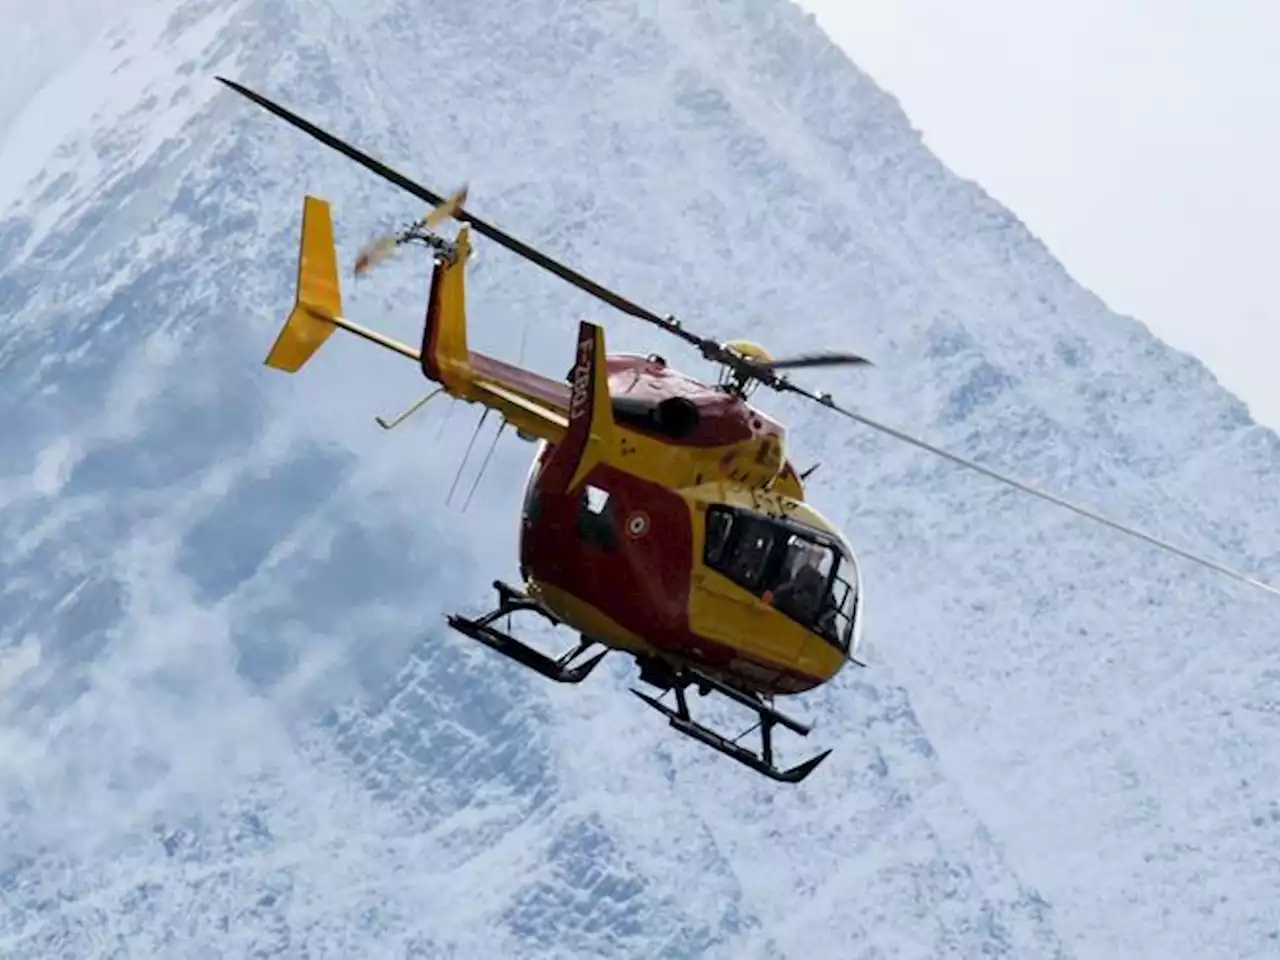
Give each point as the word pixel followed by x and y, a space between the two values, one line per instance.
pixel 535 405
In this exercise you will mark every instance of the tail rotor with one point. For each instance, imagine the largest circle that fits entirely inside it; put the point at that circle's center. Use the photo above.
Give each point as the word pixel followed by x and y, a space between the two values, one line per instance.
pixel 383 247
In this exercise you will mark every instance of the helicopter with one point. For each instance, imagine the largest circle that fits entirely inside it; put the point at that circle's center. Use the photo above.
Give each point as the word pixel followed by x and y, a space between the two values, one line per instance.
pixel 662 517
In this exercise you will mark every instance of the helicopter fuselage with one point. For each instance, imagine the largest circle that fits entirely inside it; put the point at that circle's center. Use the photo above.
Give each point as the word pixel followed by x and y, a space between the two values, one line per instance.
pixel 625 557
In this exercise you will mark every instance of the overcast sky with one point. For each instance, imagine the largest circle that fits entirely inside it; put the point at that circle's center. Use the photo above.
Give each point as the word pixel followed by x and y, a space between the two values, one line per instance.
pixel 1139 139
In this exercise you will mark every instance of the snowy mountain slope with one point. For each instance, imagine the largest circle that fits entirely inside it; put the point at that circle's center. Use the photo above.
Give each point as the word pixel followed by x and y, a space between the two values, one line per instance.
pixel 232 722
pixel 39 38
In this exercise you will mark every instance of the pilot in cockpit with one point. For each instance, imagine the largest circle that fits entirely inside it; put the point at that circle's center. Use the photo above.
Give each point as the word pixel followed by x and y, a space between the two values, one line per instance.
pixel 802 583
pixel 751 556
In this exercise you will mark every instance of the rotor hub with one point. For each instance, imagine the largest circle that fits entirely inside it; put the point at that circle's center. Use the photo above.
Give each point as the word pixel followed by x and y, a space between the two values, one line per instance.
pixel 740 362
pixel 749 351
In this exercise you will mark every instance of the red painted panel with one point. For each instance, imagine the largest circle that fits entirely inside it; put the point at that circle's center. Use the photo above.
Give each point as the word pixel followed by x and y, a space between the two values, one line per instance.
pixel 723 419
pixel 544 389
pixel 641 579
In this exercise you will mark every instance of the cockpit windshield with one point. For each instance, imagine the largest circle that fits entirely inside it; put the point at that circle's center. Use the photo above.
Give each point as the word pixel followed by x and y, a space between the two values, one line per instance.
pixel 800 572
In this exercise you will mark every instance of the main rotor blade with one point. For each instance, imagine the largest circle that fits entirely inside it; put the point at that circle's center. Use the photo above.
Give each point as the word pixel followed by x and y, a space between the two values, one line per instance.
pixel 825 359
pixel 826 401
pixel 518 247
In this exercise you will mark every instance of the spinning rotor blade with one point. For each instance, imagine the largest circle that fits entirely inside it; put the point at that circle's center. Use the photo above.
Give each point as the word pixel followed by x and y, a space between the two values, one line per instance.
pixel 826 359
pixel 669 324
pixel 444 211
pixel 827 401
pixel 375 252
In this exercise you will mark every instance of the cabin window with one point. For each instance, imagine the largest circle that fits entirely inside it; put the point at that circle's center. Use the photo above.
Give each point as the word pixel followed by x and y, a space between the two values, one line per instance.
pixel 793 571
pixel 739 546
pixel 595 519
pixel 595 500
pixel 801 586
pixel 719 525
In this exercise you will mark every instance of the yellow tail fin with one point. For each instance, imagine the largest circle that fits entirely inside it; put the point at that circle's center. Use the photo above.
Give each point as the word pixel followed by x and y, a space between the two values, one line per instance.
pixel 319 296
pixel 445 357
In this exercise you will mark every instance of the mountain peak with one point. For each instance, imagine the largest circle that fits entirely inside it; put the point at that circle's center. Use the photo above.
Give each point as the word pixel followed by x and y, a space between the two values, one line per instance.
pixel 232 718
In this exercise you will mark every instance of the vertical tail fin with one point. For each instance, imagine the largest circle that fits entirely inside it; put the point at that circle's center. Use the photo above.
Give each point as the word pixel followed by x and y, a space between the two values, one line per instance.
pixel 591 425
pixel 445 357
pixel 319 296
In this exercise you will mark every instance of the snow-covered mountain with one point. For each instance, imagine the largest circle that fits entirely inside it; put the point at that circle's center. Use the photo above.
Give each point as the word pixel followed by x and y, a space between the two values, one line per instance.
pixel 231 721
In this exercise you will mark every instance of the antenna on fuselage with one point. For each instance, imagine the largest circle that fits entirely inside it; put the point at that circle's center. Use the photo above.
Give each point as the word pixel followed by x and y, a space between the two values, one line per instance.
pixel 483 464
pixel 444 421
pixel 466 456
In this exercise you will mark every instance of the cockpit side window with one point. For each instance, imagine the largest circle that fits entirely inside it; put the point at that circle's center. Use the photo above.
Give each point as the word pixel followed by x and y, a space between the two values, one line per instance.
pixel 845 599
pixel 752 549
pixel 719 529
pixel 739 546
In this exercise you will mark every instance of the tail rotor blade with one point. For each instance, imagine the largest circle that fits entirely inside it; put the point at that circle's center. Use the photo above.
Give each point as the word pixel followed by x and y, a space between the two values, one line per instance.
pixel 449 208
pixel 374 253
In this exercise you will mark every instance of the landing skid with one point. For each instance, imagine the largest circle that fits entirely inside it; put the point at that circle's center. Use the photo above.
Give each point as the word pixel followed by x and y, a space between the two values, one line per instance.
pixel 681 719
pixel 511 601
pixel 653 671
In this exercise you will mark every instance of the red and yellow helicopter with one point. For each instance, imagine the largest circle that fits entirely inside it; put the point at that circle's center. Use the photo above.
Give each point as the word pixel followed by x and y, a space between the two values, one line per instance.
pixel 662 516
